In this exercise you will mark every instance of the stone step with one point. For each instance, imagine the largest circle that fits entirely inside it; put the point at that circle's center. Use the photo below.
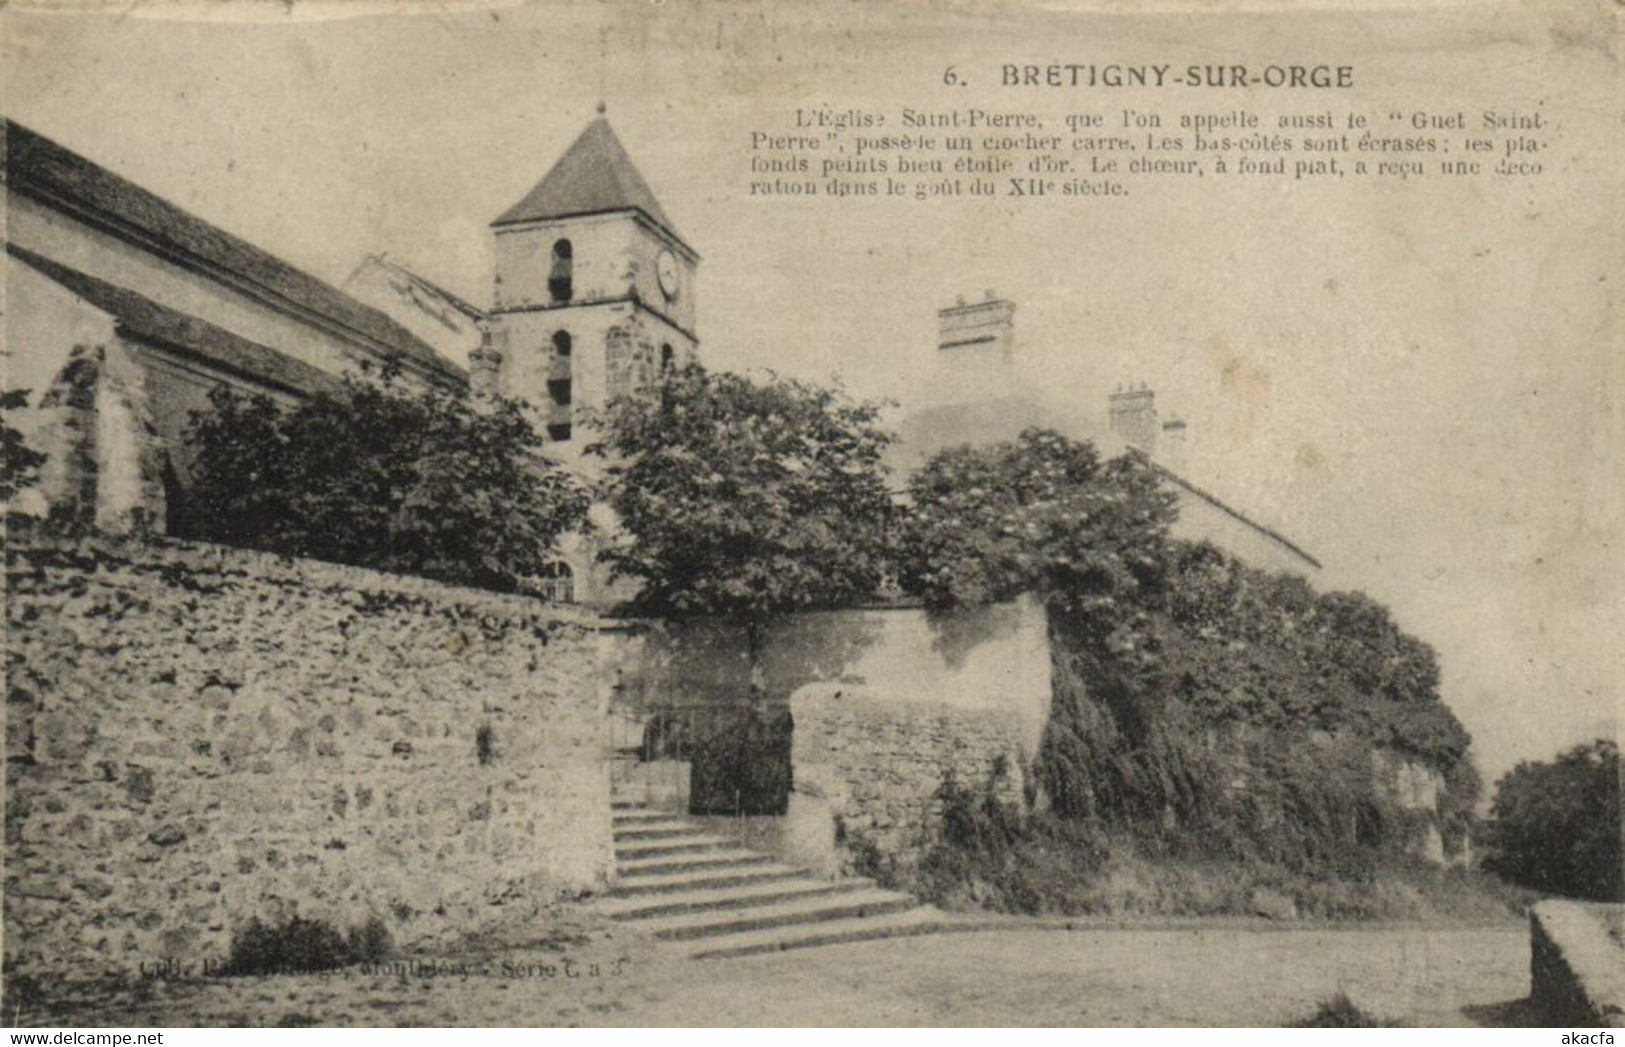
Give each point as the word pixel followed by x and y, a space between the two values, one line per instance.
pixel 832 932
pixel 645 815
pixel 669 863
pixel 846 905
pixel 715 899
pixel 707 877
pixel 691 842
pixel 652 830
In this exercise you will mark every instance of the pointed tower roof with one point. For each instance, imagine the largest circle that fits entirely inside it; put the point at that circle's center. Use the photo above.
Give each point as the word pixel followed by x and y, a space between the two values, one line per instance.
pixel 594 176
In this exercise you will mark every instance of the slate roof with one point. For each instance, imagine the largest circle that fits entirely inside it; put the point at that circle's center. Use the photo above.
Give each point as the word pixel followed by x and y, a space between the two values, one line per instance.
pixel 928 430
pixel 143 319
pixel 1236 514
pixel 42 169
pixel 594 176
pixel 935 427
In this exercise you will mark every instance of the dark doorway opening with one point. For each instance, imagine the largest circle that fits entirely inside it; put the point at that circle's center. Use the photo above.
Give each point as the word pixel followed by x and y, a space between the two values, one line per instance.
pixel 738 758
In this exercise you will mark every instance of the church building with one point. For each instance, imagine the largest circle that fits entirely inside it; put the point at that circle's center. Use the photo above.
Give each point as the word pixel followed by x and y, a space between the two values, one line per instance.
pixel 123 311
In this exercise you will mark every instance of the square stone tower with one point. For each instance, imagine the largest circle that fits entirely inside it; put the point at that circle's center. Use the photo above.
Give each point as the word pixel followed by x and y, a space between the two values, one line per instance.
pixel 594 291
pixel 594 298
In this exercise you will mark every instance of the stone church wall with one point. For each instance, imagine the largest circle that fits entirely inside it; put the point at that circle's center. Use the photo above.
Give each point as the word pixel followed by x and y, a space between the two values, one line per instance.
pixel 88 411
pixel 601 251
pixel 196 736
pixel 70 242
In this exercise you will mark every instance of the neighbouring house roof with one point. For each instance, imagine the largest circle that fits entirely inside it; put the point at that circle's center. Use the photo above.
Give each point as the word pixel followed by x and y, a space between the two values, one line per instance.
pixel 1236 514
pixel 142 319
pixel 594 176
pixel 40 168
pixel 926 431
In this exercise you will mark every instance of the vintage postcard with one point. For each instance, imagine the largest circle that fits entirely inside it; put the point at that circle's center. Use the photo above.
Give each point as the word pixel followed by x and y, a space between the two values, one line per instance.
pixel 682 513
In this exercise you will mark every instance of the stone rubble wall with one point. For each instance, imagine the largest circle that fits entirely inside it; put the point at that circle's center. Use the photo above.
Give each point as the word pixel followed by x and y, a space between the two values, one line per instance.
pixel 197 736
pixel 876 766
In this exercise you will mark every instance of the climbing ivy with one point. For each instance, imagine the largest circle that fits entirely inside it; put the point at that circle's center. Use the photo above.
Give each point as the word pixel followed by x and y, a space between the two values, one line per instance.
pixel 1176 663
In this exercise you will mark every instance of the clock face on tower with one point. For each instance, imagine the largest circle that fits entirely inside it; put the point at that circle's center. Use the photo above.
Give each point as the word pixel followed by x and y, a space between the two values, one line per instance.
pixel 666 270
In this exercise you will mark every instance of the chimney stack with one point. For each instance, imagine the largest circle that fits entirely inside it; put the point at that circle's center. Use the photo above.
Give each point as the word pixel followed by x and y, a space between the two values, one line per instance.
pixel 1134 417
pixel 976 348
pixel 983 331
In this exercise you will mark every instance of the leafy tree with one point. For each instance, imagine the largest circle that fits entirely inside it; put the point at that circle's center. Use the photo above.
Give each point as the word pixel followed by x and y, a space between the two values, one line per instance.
pixel 745 498
pixel 1044 514
pixel 1555 826
pixel 19 463
pixel 379 476
pixel 1041 514
pixel 1358 637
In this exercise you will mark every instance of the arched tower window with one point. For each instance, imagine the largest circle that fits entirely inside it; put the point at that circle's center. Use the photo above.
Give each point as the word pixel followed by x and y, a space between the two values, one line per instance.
pixel 560 279
pixel 560 390
pixel 557 582
pixel 668 357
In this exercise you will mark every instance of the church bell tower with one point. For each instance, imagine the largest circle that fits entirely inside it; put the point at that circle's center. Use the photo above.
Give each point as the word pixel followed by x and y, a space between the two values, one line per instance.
pixel 594 290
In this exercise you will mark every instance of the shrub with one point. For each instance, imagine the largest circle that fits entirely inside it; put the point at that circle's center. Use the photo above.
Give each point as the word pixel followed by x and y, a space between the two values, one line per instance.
pixel 380 476
pixel 1179 669
pixel 989 854
pixel 299 946
pixel 1340 1012
pixel 1555 827
pixel 865 857
pixel 369 942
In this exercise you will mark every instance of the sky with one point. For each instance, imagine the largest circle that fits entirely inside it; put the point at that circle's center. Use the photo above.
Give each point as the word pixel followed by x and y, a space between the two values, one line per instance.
pixel 1416 382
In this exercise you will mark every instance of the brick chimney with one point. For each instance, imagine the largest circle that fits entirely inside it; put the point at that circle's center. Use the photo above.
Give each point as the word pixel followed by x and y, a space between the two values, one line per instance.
pixel 1134 417
pixel 975 350
pixel 982 332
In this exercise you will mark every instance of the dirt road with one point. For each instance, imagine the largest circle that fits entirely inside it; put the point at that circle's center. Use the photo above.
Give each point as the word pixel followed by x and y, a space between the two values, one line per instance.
pixel 1220 976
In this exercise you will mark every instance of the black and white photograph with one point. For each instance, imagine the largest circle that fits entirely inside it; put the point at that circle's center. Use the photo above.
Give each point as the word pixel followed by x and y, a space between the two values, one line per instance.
pixel 686 514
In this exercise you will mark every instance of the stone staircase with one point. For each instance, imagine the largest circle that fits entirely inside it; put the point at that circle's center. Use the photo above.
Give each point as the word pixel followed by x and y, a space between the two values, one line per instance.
pixel 711 897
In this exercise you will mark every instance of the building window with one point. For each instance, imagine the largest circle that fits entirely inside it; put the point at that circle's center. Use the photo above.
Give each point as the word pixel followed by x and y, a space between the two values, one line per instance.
pixel 560 279
pixel 557 582
pixel 558 391
pixel 559 432
pixel 667 358
pixel 561 343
